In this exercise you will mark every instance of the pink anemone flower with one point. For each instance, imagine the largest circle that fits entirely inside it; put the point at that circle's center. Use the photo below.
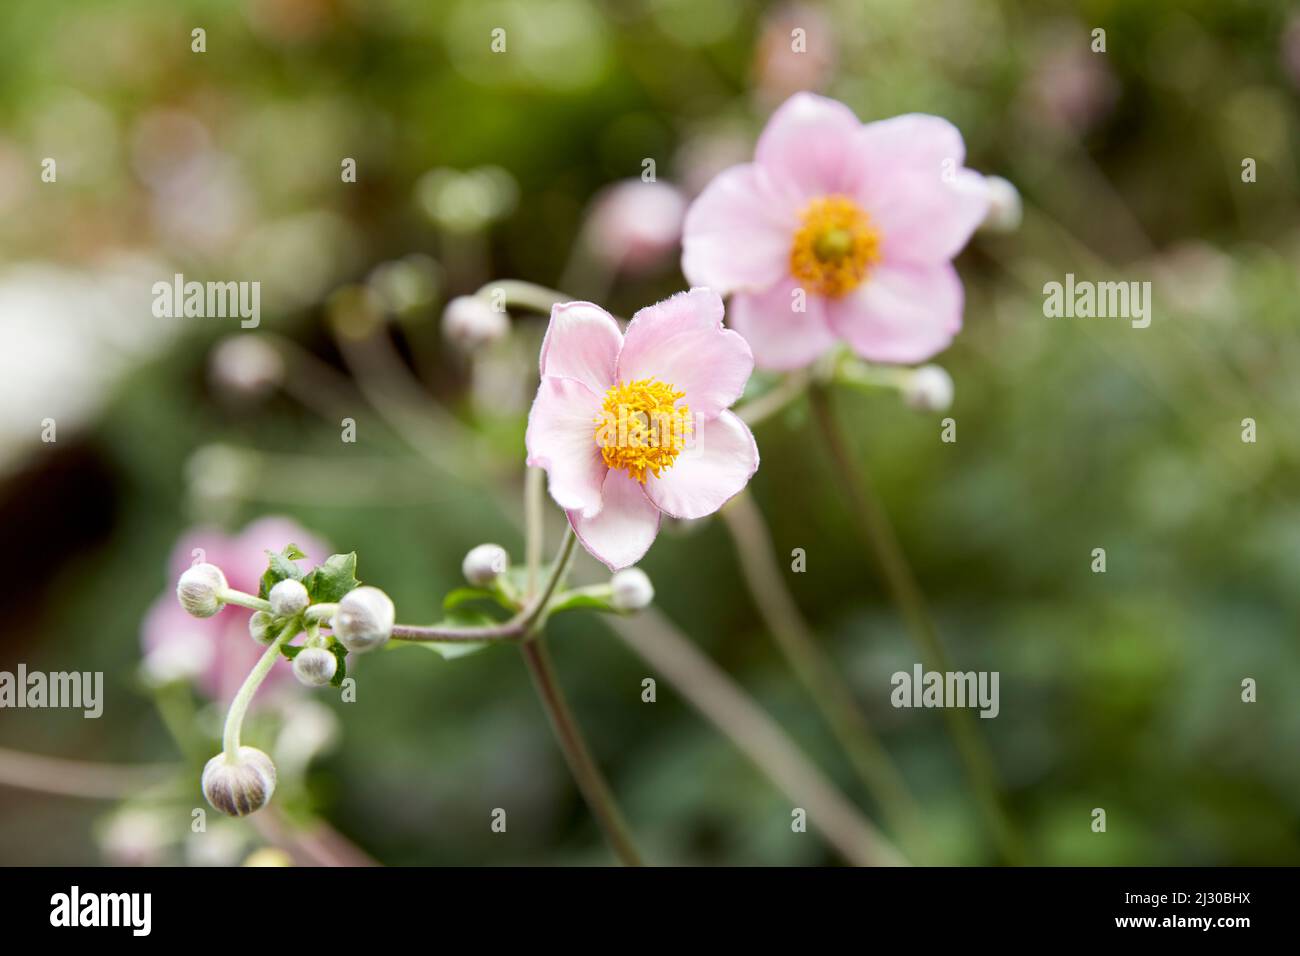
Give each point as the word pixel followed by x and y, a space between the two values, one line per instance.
pixel 633 426
pixel 217 652
pixel 839 231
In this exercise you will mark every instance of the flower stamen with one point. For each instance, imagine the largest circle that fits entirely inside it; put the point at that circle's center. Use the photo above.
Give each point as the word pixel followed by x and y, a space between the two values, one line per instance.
pixel 641 428
pixel 835 246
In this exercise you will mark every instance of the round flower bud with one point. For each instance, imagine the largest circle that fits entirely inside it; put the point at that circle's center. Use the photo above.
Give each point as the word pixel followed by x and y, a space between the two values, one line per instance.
pixel 315 666
pixel 239 787
pixel 199 590
pixel 471 322
pixel 246 366
pixel 631 590
pixel 929 389
pixel 364 619
pixel 482 565
pixel 262 627
pixel 1005 208
pixel 288 598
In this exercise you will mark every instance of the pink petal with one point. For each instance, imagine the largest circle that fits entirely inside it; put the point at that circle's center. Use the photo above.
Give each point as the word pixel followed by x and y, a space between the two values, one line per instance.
pixel 270 533
pixel 912 184
pixel 722 459
pixel 681 342
pixel 625 527
pixel 780 337
pixel 561 438
pixel 810 142
pixel 738 232
pixel 582 342
pixel 901 314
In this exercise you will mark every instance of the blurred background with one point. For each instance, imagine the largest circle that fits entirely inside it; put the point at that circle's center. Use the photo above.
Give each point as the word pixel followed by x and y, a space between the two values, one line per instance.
pixel 1119 690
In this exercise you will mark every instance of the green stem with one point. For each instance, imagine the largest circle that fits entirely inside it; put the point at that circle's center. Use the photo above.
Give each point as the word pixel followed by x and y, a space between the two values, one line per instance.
pixel 819 675
pixel 591 782
pixel 240 599
pixel 878 534
pixel 239 706
pixel 522 294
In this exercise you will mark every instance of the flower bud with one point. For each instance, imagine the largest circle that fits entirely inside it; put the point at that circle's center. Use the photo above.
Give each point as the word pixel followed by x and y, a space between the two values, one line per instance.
pixel 631 590
pixel 199 590
pixel 262 627
pixel 364 619
pixel 315 666
pixel 482 565
pixel 635 226
pixel 242 786
pixel 246 366
pixel 1005 208
pixel 471 322
pixel 288 598
pixel 929 389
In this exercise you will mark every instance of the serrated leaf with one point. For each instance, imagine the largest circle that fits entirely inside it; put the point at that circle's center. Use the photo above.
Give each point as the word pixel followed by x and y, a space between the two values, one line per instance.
pixel 280 567
pixel 328 583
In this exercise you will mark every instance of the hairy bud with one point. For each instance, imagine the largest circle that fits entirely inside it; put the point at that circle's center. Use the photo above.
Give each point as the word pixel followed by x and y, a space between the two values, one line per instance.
pixel 471 322
pixel 242 786
pixel 315 666
pixel 929 389
pixel 364 619
pixel 199 590
pixel 483 564
pixel 262 627
pixel 288 598
pixel 632 590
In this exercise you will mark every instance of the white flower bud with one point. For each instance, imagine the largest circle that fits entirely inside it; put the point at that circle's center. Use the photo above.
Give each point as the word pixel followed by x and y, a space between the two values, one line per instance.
pixel 199 590
pixel 239 787
pixel 929 389
pixel 364 619
pixel 262 627
pixel 315 666
pixel 631 589
pixel 471 322
pixel 288 598
pixel 246 366
pixel 1005 208
pixel 483 564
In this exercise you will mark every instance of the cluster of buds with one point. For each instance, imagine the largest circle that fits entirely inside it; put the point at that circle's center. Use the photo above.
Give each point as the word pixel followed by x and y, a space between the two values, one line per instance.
pixel 241 779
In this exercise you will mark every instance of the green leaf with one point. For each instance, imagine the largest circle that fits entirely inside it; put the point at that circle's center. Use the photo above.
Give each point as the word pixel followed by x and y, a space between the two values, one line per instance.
pixel 281 567
pixel 341 655
pixel 583 600
pixel 291 650
pixel 329 582
pixel 458 598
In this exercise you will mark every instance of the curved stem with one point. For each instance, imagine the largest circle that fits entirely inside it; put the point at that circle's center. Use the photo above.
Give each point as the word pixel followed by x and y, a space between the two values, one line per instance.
pixel 79 778
pixel 817 673
pixel 240 599
pixel 239 706
pixel 592 783
pixel 526 295
pixel 878 534
pixel 517 628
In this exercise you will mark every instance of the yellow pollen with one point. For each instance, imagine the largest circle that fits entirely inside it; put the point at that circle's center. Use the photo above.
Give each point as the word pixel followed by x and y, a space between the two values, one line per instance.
pixel 834 248
pixel 642 428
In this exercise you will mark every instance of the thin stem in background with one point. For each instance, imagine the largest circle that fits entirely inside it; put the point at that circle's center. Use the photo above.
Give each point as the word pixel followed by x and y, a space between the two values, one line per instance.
pixel 592 783
pixel 878 534
pixel 818 674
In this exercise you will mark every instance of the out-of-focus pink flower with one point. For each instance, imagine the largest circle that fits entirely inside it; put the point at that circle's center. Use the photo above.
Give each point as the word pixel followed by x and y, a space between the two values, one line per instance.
pixel 796 51
pixel 635 225
pixel 839 230
pixel 1071 88
pixel 1291 50
pixel 217 652
pixel 632 426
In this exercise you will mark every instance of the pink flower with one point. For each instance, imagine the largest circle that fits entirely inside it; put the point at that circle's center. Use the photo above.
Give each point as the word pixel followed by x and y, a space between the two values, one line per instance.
pixel 839 230
pixel 630 427
pixel 635 226
pixel 218 652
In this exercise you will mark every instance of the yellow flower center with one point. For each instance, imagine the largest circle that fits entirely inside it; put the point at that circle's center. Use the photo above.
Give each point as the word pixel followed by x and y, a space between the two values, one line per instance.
pixel 641 427
pixel 834 248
